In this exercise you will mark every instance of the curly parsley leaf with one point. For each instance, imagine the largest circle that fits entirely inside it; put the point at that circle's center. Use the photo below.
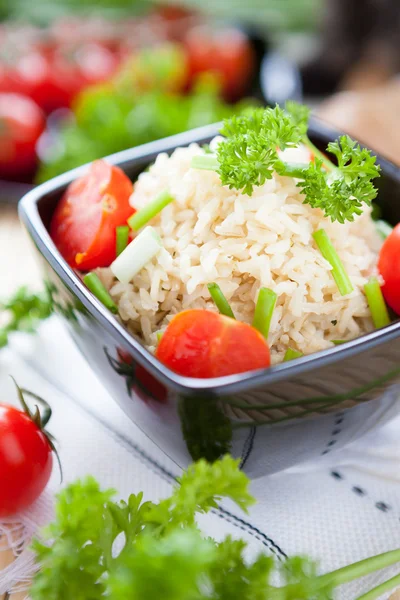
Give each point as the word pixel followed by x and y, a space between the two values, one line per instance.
pixel 23 312
pixel 249 156
pixel 97 548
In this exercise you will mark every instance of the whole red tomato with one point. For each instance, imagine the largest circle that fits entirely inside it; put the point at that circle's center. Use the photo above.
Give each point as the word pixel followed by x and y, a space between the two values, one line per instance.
pixel 226 52
pixel 389 268
pixel 21 124
pixel 26 460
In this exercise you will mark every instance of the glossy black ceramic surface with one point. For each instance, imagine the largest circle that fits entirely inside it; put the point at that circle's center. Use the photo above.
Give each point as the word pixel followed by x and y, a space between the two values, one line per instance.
pixel 272 418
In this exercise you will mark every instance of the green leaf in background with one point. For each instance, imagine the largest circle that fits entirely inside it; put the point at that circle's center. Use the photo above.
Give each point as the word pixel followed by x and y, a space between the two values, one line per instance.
pixel 271 15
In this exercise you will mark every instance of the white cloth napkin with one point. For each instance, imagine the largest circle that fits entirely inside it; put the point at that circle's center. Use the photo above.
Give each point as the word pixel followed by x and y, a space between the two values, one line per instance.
pixel 343 508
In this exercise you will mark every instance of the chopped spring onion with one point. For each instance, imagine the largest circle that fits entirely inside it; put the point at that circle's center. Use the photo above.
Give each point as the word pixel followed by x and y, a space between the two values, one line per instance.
pixel 122 238
pixel 291 354
pixel 208 162
pixel 145 214
pixel 379 312
pixel 264 308
pixel 329 253
pixel 338 342
pixel 159 336
pixel 136 255
pixel 220 301
pixel 93 283
pixel 383 228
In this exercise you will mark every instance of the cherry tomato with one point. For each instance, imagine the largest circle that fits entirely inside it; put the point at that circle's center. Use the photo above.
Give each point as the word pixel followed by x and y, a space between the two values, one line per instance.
pixel 26 460
pixel 389 268
pixel 84 222
pixel 227 52
pixel 200 343
pixel 52 80
pixel 21 124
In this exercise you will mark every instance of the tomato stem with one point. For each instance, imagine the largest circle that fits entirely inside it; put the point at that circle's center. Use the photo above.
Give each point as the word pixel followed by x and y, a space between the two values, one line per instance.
pixel 45 416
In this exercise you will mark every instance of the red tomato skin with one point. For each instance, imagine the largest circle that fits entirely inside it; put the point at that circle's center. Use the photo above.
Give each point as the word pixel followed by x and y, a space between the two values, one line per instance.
pixel 84 222
pixel 21 124
pixel 389 268
pixel 26 461
pixel 228 53
pixel 200 343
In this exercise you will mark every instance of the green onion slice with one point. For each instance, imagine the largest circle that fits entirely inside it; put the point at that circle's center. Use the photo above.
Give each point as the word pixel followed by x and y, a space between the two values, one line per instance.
pixel 207 162
pixel 264 309
pixel 376 303
pixel 122 238
pixel 145 214
pixel 136 255
pixel 329 253
pixel 220 301
pixel 383 228
pixel 339 342
pixel 291 354
pixel 93 283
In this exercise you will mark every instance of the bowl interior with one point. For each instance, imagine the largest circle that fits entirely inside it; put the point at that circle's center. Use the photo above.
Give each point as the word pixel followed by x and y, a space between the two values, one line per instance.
pixel 43 200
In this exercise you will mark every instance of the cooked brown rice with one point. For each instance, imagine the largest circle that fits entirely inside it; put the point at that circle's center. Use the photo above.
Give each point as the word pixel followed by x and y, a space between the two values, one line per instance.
pixel 213 234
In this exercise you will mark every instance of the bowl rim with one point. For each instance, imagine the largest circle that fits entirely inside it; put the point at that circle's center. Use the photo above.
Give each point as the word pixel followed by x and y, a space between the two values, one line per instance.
pixel 219 386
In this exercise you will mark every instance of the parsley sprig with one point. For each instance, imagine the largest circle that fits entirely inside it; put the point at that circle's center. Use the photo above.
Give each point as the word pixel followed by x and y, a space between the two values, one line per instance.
pixel 23 311
pixel 249 155
pixel 98 548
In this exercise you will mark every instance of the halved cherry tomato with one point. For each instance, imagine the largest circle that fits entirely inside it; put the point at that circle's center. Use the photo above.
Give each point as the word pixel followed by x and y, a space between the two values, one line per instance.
pixel 84 222
pixel 226 52
pixel 200 343
pixel 26 460
pixel 21 124
pixel 389 268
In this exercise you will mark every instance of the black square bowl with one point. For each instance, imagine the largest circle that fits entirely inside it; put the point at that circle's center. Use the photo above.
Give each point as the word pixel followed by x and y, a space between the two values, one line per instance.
pixel 272 418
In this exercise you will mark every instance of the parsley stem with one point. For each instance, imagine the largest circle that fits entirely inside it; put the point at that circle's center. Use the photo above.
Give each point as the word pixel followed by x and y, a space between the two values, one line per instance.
pixel 220 301
pixel 264 309
pixel 145 214
pixel 329 253
pixel 122 238
pixel 362 568
pixel 376 303
pixel 377 591
pixel 291 354
pixel 383 228
pixel 208 162
pixel 92 281
pixel 296 170
pixel 329 166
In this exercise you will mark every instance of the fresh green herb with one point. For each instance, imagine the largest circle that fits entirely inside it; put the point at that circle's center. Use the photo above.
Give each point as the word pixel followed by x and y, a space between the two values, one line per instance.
pixel 376 303
pixel 291 354
pixel 122 238
pixel 162 554
pixel 145 214
pixel 125 113
pixel 264 309
pixel 383 228
pixel 220 301
pixel 159 336
pixel 339 342
pixel 23 312
pixel 93 283
pixel 249 156
pixel 329 253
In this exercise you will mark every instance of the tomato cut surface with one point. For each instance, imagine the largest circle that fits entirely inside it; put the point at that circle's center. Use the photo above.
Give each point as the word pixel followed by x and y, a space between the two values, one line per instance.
pixel 25 460
pixel 84 222
pixel 199 343
pixel 389 268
